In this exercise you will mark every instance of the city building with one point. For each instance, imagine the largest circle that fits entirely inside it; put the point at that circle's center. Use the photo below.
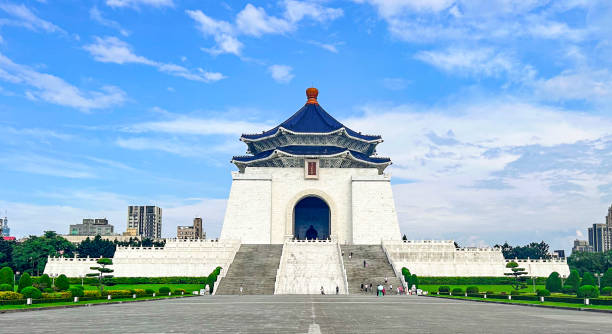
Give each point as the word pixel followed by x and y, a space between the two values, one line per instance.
pixel 558 254
pixel 5 231
pixel 600 237
pixel 92 227
pixel 191 232
pixel 131 232
pixel 581 246
pixel 147 220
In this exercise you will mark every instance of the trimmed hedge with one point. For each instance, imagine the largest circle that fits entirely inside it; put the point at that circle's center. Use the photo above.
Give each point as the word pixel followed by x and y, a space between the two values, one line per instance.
pixel 471 290
pixel 568 289
pixel 588 291
pixel 31 292
pixel 117 292
pixel 142 280
pixel 138 292
pixel 7 276
pixel 444 288
pixel 457 291
pixel 92 293
pixel 149 291
pixel 178 291
pixel 24 282
pixel 61 283
pixel 164 290
pixel 76 292
pixel 543 293
pixel 6 287
pixel 428 280
pixel 10 295
pixel 607 291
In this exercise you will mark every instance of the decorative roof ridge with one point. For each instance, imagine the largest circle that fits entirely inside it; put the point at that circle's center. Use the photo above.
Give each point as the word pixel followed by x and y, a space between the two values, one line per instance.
pixel 342 129
pixel 269 154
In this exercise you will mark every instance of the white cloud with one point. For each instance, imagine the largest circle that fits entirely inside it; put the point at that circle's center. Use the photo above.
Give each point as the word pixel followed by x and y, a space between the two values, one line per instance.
pixel 582 84
pixel 138 3
pixel 114 50
pixel 388 8
pixel 255 21
pixel 55 90
pixel 198 126
pixel 24 17
pixel 331 47
pixel 37 164
pixel 281 73
pixel 96 15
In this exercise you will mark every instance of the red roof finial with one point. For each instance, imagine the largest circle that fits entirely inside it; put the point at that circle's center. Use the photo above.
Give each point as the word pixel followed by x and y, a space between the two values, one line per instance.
pixel 311 94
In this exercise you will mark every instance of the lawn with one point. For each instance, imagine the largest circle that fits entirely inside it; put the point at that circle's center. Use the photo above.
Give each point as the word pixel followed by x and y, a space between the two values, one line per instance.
pixel 96 301
pixel 483 288
pixel 572 305
pixel 187 287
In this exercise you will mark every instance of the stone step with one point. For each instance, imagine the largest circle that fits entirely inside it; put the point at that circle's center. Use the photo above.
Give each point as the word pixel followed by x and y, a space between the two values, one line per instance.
pixel 378 267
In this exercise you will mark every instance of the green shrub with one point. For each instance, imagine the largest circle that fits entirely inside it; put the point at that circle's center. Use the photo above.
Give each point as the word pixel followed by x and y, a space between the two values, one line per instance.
pixel 606 280
pixel 141 280
pixel 24 281
pixel 31 292
pixel 444 288
pixel 573 279
pixel 61 283
pixel 543 292
pixel 473 280
pixel 588 291
pixel 7 276
pixel 10 295
pixel 472 290
pixel 414 280
pixel 568 289
pixel 164 290
pixel 607 291
pixel 78 287
pixel 44 282
pixel 149 291
pixel 490 292
pixel 553 282
pixel 48 290
pixel 6 287
pixel 76 292
pixel 139 292
pixel 515 293
pixel 178 291
pixel 457 291
pixel 588 279
pixel 91 293
pixel 117 292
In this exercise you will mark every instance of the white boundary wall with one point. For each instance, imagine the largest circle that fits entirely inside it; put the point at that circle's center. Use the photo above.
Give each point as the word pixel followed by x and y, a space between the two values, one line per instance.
pixel 193 258
pixel 306 266
pixel 441 258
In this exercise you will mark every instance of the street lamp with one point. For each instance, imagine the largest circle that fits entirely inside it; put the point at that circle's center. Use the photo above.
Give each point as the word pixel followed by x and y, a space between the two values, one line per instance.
pixel 599 276
pixel 15 279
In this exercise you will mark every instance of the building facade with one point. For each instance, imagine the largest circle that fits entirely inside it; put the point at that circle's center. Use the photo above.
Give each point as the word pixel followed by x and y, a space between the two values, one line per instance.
pixel 600 237
pixel 581 246
pixel 5 231
pixel 146 220
pixel 191 232
pixel 92 227
pixel 311 177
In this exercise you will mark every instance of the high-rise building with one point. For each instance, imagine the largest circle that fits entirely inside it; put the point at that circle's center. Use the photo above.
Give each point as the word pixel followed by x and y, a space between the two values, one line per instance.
pixel 97 226
pixel 191 232
pixel 147 220
pixel 600 237
pixel 581 246
pixel 5 231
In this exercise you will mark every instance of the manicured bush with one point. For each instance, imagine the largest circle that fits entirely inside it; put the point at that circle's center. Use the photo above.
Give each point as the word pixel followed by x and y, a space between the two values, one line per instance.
pixel 414 280
pixel 457 291
pixel 91 293
pixel 24 281
pixel 149 291
pixel 78 287
pixel 606 280
pixel 568 289
pixel 117 292
pixel 178 291
pixel 7 276
pixel 164 290
pixel 543 292
pixel 141 280
pixel 588 291
pixel 31 292
pixel 607 291
pixel 515 292
pixel 76 292
pixel 48 290
pixel 553 282
pixel 61 283
pixel 588 279
pixel 490 292
pixel 472 290
pixel 56 295
pixel 10 295
pixel 573 279
pixel 44 282
pixel 139 292
pixel 430 280
pixel 444 288
pixel 6 287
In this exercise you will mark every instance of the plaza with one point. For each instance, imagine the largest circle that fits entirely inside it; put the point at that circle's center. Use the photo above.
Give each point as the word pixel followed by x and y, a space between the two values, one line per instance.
pixel 307 314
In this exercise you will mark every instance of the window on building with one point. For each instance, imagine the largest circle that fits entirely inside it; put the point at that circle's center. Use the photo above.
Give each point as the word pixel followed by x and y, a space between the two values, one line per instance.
pixel 312 168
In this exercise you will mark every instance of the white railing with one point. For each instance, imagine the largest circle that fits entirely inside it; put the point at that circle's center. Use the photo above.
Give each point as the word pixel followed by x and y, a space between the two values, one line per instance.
pixel 346 286
pixel 398 274
pixel 537 260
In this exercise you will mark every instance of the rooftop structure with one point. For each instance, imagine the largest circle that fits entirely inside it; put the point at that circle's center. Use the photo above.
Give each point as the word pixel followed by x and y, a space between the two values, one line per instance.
pixel 92 227
pixel 5 231
pixel 194 231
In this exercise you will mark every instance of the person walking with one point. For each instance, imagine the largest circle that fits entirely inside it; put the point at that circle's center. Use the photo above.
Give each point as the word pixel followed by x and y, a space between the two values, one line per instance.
pixel 322 291
pixel 337 290
pixel 364 263
pixel 361 287
pixel 241 290
pixel 386 279
pixel 390 288
pixel 207 289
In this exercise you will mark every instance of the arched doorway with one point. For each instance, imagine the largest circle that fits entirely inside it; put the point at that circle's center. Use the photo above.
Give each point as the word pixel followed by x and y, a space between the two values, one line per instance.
pixel 311 219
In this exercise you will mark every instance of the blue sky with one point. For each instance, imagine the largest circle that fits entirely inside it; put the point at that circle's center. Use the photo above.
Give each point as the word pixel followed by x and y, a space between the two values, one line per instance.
pixel 495 113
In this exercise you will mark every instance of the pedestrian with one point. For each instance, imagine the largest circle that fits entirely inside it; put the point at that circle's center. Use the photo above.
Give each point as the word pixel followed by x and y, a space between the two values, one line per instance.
pixel 386 279
pixel 366 288
pixel 379 290
pixel 364 263
pixel 207 289
pixel 322 291
pixel 398 291
pixel 342 253
pixel 351 254
pixel 241 290
pixel 390 288
pixel 337 290
pixel 361 287
pixel 371 288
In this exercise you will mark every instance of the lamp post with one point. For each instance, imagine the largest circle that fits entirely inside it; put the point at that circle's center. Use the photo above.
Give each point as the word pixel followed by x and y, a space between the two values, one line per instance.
pixel 15 279
pixel 599 276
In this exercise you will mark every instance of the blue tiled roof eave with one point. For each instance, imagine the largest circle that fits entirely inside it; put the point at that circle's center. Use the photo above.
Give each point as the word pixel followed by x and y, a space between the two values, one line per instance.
pixel 274 153
pixel 247 138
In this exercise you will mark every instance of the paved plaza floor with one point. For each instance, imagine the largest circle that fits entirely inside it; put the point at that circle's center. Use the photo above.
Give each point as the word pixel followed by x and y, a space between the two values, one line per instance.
pixel 306 314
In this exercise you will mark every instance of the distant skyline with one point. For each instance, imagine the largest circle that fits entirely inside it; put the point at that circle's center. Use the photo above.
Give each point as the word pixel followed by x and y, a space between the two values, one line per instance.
pixel 496 114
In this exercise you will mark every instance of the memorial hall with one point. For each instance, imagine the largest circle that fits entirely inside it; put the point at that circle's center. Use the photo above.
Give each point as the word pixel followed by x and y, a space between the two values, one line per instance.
pixel 310 208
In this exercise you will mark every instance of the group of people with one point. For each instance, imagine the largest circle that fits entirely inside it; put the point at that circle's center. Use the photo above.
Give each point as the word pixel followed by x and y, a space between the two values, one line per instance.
pixel 382 289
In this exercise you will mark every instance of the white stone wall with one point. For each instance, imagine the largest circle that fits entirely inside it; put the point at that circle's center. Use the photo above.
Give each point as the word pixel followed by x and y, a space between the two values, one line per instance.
pixel 262 199
pixel 441 258
pixel 306 266
pixel 193 258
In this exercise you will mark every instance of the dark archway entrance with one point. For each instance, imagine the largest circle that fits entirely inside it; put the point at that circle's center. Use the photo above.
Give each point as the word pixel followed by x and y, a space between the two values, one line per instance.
pixel 311 218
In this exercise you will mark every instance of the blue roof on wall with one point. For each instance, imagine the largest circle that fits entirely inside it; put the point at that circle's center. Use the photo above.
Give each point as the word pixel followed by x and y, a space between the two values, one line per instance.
pixel 312 118
pixel 310 151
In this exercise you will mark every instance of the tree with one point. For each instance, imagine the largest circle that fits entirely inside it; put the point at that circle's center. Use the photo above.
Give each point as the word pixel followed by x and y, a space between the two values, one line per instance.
pixel 6 252
pixel 24 281
pixel 7 276
pixel 606 280
pixel 553 282
pixel 31 255
pixel 533 250
pixel 518 274
pixel 44 282
pixel 404 237
pixel 573 280
pixel 97 247
pixel 62 283
pixel 588 279
pixel 102 271
pixel 590 261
